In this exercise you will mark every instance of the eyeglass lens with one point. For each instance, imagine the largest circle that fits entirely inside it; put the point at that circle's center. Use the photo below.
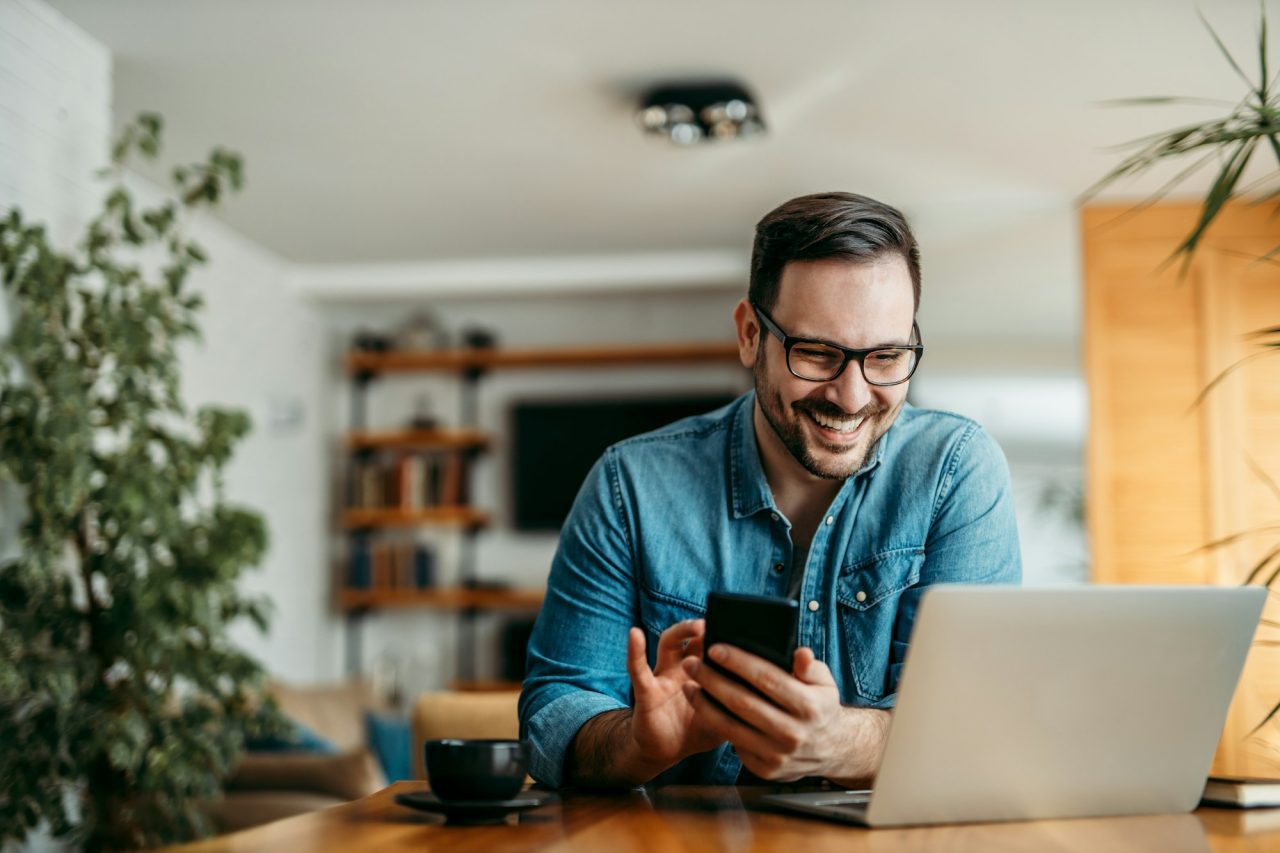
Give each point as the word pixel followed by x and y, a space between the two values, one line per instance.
pixel 820 362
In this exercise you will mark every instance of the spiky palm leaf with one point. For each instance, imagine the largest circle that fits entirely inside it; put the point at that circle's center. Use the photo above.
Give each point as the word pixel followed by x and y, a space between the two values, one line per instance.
pixel 1232 140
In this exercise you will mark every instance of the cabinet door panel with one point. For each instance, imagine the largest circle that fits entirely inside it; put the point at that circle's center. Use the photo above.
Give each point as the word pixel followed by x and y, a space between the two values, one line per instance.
pixel 1168 476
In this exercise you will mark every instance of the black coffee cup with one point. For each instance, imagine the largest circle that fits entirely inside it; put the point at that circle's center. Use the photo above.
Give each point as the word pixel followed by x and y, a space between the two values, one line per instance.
pixel 476 769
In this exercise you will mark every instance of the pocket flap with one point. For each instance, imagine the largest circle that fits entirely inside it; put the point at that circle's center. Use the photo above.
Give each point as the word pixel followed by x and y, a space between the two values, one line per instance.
pixel 866 583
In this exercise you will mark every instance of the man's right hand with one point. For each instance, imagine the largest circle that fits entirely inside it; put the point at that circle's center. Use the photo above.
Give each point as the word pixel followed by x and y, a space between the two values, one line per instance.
pixel 663 723
pixel 631 746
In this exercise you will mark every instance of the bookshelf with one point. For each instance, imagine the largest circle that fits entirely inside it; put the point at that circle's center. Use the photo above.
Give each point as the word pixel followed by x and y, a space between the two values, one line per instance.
pixel 390 493
pixel 464 360
pixel 442 598
pixel 443 516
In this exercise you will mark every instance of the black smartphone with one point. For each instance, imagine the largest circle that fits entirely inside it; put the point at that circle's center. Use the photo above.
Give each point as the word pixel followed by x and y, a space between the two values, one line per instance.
pixel 759 624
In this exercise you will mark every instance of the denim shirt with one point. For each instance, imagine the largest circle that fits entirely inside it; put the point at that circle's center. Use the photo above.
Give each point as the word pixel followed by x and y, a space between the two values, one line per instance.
pixel 667 517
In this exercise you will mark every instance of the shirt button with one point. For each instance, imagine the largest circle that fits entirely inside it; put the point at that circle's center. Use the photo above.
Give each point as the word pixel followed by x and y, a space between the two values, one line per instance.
pixel 813 606
pixel 831 519
pixel 861 596
pixel 774 516
pixel 779 568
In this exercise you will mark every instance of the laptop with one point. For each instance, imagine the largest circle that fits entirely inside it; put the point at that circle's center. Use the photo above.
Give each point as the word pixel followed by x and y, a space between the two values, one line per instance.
pixel 1022 704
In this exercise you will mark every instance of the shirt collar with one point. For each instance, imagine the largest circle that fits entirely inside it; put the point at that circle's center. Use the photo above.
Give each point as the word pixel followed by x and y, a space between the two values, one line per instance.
pixel 750 489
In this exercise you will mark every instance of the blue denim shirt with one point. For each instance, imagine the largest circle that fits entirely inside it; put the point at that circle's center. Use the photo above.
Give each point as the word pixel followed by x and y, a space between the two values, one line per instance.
pixel 667 517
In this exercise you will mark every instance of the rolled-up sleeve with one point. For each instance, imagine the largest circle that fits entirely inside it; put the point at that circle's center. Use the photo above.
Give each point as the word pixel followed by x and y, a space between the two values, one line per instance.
pixel 577 656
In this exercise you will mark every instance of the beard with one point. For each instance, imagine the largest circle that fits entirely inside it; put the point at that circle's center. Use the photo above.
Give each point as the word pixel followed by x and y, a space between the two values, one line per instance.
pixel 841 461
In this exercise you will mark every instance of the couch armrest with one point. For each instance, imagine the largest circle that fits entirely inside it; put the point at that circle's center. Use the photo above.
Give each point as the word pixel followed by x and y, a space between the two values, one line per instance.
pixel 348 775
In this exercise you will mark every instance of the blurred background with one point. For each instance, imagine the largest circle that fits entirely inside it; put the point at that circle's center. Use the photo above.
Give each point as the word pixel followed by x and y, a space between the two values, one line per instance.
pixel 424 176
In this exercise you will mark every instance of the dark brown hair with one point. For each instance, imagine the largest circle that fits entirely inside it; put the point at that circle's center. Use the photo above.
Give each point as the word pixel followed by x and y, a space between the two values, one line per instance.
pixel 828 225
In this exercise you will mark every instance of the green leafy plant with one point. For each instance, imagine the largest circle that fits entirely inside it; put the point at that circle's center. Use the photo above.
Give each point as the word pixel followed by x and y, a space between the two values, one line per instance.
pixel 1231 142
pixel 123 704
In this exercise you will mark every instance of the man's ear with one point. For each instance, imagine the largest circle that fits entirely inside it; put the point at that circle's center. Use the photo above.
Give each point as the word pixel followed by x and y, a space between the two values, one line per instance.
pixel 748 325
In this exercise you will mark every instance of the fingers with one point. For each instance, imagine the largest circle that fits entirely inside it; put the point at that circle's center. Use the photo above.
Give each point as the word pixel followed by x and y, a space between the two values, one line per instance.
pixel 730 728
pixel 780 686
pixel 637 664
pixel 679 641
pixel 743 702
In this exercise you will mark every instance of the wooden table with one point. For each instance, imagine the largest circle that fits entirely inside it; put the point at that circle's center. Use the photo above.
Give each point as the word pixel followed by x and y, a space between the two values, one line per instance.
pixel 724 818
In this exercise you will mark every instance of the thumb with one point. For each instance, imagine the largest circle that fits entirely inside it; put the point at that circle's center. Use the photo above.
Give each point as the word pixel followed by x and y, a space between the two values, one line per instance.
pixel 809 669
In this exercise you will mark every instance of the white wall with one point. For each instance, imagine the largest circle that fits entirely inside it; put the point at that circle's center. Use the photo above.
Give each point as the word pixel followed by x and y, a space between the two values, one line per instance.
pixel 55 120
pixel 262 352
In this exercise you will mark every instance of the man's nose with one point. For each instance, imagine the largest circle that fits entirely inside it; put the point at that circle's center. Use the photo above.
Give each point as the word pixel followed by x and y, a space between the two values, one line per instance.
pixel 850 390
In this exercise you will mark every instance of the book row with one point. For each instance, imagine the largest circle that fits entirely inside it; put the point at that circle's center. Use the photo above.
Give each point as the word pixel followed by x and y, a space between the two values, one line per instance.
pixel 409 481
pixel 377 564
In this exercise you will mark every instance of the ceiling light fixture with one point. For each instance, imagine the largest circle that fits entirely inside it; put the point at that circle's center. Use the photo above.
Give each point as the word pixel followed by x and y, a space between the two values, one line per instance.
pixel 692 112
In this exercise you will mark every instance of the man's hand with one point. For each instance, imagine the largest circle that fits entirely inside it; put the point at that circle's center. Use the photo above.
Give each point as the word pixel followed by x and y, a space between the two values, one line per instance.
pixel 800 730
pixel 663 723
pixel 631 746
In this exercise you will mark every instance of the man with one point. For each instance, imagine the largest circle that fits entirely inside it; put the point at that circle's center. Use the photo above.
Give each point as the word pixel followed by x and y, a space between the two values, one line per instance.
pixel 821 485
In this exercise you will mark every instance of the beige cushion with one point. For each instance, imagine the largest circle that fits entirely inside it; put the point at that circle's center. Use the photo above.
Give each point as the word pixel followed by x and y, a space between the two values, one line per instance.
pixel 346 776
pixel 455 714
pixel 333 711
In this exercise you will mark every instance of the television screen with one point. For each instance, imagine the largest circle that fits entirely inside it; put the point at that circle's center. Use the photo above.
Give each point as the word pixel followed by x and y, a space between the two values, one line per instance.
pixel 555 443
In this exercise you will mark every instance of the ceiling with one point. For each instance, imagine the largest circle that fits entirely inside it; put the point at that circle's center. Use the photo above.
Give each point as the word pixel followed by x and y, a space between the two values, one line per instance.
pixel 401 130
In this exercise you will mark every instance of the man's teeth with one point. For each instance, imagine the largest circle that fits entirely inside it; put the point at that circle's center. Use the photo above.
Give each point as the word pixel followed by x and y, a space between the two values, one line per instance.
pixel 837 424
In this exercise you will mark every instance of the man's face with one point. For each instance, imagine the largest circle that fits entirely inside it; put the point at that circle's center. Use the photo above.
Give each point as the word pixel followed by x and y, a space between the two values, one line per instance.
pixel 830 428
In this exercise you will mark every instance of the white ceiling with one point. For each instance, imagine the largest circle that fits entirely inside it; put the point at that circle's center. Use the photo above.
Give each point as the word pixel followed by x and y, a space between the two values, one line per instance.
pixel 401 130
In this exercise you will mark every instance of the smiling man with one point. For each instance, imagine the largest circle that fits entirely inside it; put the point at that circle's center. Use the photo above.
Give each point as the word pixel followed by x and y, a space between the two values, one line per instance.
pixel 822 485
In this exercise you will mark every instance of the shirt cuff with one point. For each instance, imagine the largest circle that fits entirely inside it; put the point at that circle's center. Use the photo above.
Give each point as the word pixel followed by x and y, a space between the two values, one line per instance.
pixel 552 730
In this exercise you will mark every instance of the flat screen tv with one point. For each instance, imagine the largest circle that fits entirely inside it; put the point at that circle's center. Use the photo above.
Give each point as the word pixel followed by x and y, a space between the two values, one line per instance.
pixel 557 441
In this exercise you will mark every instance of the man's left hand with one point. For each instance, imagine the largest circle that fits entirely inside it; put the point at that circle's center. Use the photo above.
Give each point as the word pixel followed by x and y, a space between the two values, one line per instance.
pixel 800 730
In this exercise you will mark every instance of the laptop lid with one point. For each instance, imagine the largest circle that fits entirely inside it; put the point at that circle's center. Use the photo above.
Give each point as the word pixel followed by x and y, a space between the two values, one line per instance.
pixel 1026 703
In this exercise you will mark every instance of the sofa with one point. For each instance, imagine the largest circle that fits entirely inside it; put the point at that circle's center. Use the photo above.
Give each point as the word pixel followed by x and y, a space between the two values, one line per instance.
pixel 268 786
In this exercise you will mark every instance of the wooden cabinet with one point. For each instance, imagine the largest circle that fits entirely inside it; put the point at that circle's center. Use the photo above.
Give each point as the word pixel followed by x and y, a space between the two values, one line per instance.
pixel 1172 469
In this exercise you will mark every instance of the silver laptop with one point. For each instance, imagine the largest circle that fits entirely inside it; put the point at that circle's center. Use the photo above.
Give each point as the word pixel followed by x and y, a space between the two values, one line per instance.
pixel 1020 704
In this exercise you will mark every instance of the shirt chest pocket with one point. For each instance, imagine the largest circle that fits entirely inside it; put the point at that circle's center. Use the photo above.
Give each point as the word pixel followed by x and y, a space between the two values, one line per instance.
pixel 659 611
pixel 868 593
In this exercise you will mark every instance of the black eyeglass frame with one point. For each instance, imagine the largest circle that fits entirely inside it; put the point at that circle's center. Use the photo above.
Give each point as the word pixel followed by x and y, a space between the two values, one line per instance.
pixel 858 355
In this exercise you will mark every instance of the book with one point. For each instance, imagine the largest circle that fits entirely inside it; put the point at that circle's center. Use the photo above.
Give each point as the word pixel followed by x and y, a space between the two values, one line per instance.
pixel 1241 821
pixel 1242 792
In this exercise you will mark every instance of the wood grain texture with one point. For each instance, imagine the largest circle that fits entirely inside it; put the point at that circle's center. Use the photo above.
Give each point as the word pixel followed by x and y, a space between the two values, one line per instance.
pixel 1169 473
pixel 708 819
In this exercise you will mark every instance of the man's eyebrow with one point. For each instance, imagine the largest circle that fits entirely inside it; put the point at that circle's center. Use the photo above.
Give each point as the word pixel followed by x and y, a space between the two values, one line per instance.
pixel 829 342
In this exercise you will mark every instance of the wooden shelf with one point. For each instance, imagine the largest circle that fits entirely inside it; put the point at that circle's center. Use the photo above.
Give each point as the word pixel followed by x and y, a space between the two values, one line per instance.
pixel 450 516
pixel 418 439
pixel 458 360
pixel 443 598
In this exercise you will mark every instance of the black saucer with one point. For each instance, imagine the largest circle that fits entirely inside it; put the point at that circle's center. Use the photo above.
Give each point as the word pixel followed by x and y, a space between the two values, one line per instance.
pixel 474 811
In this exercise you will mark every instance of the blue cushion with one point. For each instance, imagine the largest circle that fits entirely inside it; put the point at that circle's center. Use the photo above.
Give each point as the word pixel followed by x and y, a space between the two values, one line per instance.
pixel 391 743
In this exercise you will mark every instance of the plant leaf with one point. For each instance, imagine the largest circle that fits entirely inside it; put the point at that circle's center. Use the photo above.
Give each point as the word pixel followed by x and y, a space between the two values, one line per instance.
pixel 1222 47
pixel 1219 194
pixel 1204 392
pixel 1271 714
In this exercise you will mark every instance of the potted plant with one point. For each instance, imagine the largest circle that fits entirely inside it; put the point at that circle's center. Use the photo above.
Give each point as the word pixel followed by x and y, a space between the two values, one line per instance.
pixel 1231 142
pixel 123 703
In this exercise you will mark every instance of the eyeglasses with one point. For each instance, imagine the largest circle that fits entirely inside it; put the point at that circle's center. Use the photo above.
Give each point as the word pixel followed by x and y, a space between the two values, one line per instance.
pixel 822 361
